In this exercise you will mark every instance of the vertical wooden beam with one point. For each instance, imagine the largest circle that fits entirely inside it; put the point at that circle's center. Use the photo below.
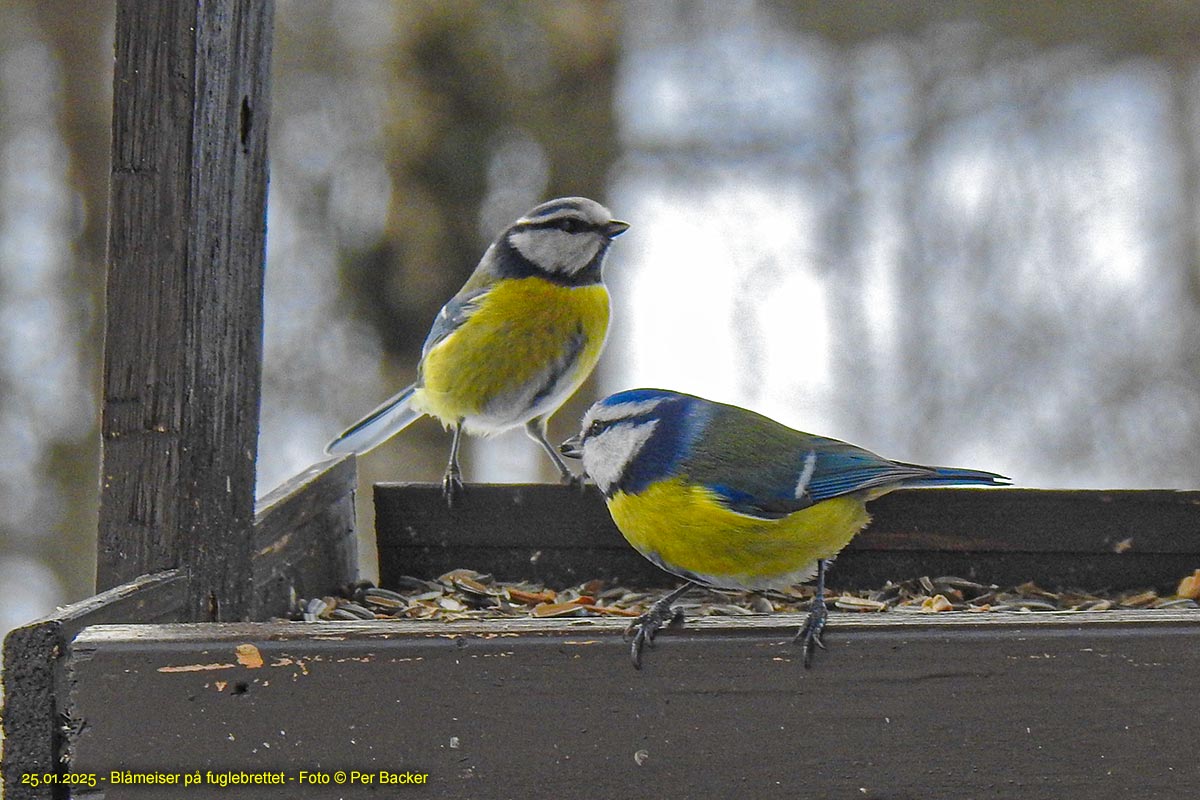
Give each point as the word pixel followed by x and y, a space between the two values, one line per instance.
pixel 183 339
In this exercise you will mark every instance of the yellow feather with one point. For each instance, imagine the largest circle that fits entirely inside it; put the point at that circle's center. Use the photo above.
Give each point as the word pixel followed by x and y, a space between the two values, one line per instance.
pixel 521 328
pixel 684 528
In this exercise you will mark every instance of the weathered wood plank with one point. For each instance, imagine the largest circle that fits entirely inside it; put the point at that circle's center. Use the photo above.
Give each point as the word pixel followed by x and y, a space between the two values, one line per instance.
pixel 1089 539
pixel 303 540
pixel 304 537
pixel 841 622
pixel 1006 706
pixel 1036 521
pixel 34 676
pixel 184 297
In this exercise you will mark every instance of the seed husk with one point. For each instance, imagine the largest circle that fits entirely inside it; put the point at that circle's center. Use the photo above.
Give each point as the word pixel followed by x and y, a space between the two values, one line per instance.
pixel 468 594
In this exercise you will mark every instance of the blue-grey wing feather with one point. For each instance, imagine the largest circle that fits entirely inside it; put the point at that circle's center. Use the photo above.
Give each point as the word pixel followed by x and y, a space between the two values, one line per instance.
pixel 843 468
pixel 452 316
pixel 761 468
pixel 563 365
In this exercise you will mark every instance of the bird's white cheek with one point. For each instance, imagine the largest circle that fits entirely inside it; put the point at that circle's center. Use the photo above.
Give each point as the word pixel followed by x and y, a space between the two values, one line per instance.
pixel 606 456
pixel 557 251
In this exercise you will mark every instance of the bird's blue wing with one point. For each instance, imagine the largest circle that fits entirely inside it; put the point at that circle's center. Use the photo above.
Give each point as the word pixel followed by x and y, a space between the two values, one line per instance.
pixel 758 467
pixel 452 316
pixel 757 505
pixel 843 468
pixel 821 470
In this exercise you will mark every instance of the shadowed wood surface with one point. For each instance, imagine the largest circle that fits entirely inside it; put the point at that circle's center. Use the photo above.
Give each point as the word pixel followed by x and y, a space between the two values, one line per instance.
pixel 183 343
pixel 1061 539
pixel 34 676
pixel 303 540
pixel 900 706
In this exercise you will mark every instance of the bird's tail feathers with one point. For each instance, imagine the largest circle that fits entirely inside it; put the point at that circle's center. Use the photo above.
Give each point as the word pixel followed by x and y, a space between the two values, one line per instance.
pixel 393 416
pixel 954 476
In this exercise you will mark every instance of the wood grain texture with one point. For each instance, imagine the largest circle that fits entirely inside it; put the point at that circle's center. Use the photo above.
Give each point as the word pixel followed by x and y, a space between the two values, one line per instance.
pixel 34 676
pixel 183 333
pixel 304 538
pixel 999 706
pixel 1061 539
pixel 304 542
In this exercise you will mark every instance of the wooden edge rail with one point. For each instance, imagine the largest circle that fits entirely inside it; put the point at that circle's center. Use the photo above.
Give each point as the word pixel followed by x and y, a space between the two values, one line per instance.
pixel 304 537
pixel 1032 705
pixel 1095 540
pixel 35 696
pixel 304 542
pixel 780 624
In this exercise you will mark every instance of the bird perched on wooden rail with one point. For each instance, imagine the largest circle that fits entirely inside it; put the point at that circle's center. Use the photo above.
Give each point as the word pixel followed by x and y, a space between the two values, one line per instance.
pixel 726 498
pixel 515 342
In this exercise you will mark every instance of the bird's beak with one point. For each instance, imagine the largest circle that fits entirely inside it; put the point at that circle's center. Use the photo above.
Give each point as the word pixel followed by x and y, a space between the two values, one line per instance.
pixel 615 228
pixel 573 447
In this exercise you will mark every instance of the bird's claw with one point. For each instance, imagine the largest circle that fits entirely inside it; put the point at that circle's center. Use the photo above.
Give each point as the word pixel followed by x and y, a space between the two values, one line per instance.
pixel 641 631
pixel 578 481
pixel 452 487
pixel 810 633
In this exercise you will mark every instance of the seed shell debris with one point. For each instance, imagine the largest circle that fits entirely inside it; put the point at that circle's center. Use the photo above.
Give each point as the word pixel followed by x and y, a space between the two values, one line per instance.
pixel 467 594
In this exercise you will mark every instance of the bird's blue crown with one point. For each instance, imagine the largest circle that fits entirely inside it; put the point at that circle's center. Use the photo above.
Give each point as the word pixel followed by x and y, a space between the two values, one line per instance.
pixel 640 396
pixel 679 421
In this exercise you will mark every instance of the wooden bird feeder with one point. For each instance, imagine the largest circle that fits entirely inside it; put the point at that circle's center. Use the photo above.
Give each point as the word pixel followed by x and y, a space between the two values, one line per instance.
pixel 172 679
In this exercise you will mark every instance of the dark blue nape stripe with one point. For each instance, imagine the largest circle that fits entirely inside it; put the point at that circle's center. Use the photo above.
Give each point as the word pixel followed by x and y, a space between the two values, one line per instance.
pixel 512 265
pixel 660 456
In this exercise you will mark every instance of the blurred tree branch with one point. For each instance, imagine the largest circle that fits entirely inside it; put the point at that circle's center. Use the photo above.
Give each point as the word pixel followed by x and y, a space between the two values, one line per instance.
pixel 80 37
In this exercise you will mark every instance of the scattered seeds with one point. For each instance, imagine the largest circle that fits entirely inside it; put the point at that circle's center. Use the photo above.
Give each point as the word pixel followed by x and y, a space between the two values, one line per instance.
pixel 849 602
pixel 467 594
pixel 937 603
pixel 559 610
pixel 313 609
pixel 1139 600
pixel 451 604
pixel 383 598
pixel 532 598
pixel 1189 587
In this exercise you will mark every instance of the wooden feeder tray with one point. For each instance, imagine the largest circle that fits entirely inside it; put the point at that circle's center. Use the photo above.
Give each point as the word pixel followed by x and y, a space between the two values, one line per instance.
pixel 900 705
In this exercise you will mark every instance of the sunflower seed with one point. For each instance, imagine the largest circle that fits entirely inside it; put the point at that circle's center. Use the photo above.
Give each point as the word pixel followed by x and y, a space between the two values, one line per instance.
pixel 850 603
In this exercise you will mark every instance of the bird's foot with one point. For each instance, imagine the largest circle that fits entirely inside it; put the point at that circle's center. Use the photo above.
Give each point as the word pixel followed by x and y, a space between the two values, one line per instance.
pixel 452 487
pixel 641 631
pixel 809 636
pixel 571 479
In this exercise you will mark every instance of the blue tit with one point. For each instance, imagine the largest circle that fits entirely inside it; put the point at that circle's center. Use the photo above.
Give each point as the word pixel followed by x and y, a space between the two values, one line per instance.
pixel 515 342
pixel 726 498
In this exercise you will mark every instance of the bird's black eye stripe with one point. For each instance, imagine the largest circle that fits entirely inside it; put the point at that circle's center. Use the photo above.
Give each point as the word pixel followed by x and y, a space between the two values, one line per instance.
pixel 598 426
pixel 567 224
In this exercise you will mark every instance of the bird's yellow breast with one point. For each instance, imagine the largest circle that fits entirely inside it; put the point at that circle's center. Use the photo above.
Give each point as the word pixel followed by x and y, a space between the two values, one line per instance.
pixel 524 332
pixel 683 528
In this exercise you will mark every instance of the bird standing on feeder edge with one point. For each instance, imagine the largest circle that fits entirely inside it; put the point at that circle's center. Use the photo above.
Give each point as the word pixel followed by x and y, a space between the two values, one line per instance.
pixel 726 498
pixel 517 340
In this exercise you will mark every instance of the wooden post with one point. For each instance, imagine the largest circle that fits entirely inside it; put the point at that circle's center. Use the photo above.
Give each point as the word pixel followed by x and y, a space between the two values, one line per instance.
pixel 183 342
pixel 303 543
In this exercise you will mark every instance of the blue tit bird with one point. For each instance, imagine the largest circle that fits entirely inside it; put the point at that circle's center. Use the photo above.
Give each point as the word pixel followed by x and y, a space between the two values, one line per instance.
pixel 516 341
pixel 726 498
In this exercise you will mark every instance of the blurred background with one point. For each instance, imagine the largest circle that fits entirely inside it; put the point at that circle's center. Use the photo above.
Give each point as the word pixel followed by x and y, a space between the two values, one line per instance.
pixel 961 232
